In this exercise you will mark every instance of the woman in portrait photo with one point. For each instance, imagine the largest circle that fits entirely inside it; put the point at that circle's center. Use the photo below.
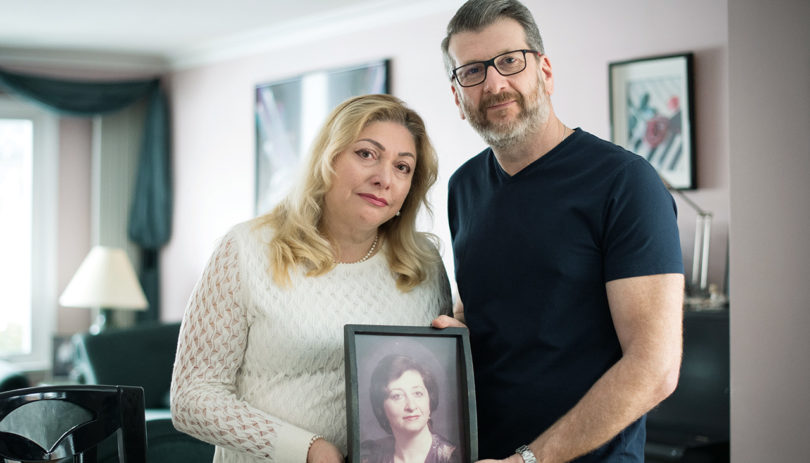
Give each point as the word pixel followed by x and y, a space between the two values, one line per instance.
pixel 403 395
pixel 260 368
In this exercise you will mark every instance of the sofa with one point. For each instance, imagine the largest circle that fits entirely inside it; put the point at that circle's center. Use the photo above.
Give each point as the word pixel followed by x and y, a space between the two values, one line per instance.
pixel 142 355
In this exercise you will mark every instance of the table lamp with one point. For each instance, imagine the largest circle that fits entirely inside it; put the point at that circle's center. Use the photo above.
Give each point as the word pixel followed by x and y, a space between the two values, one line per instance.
pixel 699 293
pixel 104 280
pixel 699 286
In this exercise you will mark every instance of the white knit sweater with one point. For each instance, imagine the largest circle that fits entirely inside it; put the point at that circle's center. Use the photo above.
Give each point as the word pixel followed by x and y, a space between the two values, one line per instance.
pixel 259 368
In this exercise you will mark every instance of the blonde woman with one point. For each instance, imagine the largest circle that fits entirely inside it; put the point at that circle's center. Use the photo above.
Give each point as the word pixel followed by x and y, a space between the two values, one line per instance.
pixel 259 367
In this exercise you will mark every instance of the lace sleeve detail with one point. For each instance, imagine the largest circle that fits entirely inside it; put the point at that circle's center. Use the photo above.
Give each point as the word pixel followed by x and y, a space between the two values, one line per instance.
pixel 210 351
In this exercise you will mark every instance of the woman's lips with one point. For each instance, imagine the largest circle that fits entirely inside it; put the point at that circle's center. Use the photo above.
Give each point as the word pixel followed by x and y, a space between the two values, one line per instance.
pixel 412 417
pixel 373 199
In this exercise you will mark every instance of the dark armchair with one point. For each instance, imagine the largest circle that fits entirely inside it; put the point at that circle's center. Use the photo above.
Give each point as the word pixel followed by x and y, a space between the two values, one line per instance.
pixel 143 356
pixel 11 377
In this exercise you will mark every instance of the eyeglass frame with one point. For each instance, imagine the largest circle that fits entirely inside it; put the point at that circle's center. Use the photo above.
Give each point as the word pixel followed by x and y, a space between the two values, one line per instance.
pixel 491 62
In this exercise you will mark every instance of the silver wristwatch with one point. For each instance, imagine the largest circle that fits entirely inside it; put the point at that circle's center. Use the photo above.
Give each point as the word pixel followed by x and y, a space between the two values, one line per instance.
pixel 526 454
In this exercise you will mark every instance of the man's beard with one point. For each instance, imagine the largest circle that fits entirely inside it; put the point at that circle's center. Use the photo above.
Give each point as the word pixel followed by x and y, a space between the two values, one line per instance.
pixel 534 112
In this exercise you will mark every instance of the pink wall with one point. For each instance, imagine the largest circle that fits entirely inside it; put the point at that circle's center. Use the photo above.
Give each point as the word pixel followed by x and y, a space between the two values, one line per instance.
pixel 769 95
pixel 75 153
pixel 214 127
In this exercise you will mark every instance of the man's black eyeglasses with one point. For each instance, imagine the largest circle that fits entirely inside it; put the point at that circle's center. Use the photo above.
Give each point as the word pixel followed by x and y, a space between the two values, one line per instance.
pixel 506 64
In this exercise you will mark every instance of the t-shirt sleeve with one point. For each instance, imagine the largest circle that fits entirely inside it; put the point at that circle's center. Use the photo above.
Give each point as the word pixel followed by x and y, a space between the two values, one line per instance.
pixel 641 229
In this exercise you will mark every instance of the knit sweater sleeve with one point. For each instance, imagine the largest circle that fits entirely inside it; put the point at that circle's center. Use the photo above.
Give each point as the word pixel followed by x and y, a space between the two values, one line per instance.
pixel 210 351
pixel 442 283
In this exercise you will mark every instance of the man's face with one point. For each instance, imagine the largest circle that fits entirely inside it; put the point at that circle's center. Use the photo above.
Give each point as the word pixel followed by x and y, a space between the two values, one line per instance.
pixel 501 109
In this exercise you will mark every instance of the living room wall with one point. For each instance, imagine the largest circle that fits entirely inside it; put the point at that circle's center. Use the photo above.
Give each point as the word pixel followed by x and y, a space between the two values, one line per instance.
pixel 769 99
pixel 213 118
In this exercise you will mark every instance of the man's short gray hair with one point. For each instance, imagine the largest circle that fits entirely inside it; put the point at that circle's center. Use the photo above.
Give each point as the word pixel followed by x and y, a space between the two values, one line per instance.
pixel 475 15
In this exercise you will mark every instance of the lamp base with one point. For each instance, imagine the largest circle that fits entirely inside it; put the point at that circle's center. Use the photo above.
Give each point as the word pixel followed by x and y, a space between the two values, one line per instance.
pixel 709 299
pixel 100 321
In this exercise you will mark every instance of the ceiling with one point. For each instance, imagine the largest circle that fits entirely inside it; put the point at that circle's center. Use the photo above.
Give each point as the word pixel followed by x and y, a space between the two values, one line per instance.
pixel 175 30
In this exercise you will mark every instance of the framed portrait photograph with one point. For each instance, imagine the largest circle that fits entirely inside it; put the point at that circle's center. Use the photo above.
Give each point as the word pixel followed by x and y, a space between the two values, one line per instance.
pixel 289 114
pixel 652 114
pixel 409 389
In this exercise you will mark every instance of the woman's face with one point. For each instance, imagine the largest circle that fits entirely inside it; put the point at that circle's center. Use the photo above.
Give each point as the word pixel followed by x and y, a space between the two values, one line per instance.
pixel 407 406
pixel 372 177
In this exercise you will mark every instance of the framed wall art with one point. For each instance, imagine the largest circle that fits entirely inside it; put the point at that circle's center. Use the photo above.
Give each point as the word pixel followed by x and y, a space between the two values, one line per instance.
pixel 406 381
pixel 63 352
pixel 290 112
pixel 652 114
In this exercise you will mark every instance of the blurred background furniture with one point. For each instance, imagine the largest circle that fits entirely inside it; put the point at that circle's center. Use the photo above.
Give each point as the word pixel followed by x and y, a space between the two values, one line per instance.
pixel 11 377
pixel 692 425
pixel 142 355
pixel 55 422
pixel 166 445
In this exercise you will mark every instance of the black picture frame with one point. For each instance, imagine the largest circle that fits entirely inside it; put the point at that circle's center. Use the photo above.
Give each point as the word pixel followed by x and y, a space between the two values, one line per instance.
pixel 652 113
pixel 290 111
pixel 444 353
pixel 63 352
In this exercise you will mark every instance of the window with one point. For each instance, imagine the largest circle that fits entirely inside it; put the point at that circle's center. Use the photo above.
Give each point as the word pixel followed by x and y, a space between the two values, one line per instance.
pixel 28 186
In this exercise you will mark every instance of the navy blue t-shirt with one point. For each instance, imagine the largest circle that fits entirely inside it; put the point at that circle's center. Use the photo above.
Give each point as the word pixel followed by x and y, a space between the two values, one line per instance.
pixel 532 255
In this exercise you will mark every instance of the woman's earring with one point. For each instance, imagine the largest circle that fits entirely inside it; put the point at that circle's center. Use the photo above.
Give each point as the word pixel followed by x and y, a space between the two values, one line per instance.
pixel 397 213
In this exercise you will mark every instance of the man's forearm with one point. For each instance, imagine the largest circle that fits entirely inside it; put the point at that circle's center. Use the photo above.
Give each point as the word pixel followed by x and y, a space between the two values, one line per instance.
pixel 623 394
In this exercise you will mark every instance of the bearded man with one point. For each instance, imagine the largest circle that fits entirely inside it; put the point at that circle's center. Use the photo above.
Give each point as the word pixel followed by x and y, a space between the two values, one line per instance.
pixel 567 259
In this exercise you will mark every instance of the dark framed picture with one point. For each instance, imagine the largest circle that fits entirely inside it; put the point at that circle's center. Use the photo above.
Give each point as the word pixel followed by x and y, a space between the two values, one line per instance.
pixel 289 114
pixel 409 389
pixel 652 114
pixel 63 356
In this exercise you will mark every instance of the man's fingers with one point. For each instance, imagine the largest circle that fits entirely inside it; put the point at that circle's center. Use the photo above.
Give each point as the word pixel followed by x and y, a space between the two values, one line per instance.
pixel 443 321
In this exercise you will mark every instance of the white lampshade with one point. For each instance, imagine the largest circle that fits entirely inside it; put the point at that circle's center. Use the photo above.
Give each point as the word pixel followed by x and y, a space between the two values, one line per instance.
pixel 105 279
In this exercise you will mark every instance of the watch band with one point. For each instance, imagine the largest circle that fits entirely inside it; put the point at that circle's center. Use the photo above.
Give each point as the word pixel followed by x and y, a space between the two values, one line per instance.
pixel 525 452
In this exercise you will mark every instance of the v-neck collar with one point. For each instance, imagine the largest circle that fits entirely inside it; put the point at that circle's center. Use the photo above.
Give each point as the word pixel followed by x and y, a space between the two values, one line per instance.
pixel 534 165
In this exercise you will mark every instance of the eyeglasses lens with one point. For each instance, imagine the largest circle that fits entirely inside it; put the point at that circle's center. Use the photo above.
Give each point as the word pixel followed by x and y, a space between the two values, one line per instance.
pixel 506 65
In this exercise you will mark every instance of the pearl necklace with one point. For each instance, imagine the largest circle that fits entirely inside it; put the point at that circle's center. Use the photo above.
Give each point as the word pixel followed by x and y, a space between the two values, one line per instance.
pixel 368 254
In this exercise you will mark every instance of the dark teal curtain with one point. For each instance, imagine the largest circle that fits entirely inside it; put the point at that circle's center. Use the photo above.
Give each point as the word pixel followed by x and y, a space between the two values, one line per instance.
pixel 77 98
pixel 150 217
pixel 151 211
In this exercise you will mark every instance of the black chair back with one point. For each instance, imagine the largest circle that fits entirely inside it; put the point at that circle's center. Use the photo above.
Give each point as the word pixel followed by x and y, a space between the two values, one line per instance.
pixel 57 422
pixel 141 355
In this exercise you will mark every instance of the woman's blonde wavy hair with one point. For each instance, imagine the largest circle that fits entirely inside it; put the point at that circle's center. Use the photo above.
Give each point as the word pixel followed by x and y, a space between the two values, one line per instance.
pixel 297 219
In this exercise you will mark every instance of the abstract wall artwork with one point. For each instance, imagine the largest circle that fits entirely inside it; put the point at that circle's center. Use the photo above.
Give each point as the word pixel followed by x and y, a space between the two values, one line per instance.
pixel 652 114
